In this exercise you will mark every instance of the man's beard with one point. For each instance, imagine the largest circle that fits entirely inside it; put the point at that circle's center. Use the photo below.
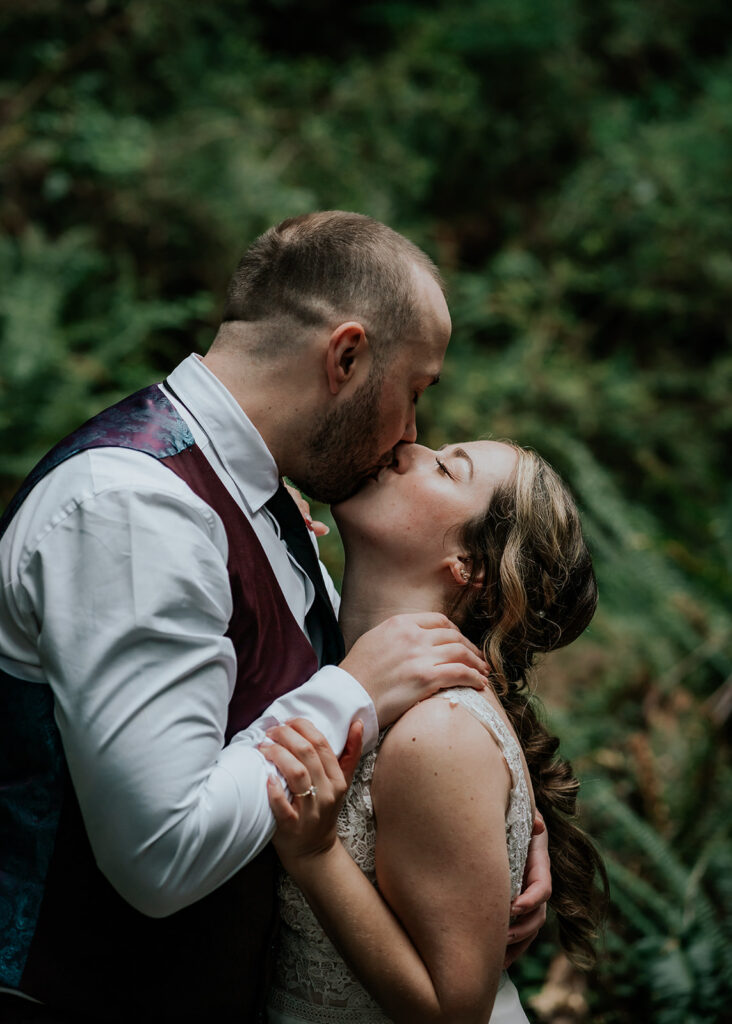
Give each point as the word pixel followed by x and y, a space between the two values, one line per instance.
pixel 341 446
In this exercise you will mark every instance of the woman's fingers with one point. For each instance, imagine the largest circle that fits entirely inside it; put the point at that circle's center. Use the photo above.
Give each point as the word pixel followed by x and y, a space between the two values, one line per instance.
pixel 351 752
pixel 315 743
pixel 535 896
pixel 527 926
pixel 292 739
pixel 522 932
pixel 308 823
pixel 314 525
pixel 529 908
pixel 513 952
pixel 304 758
pixel 282 809
pixel 297 776
pixel 537 874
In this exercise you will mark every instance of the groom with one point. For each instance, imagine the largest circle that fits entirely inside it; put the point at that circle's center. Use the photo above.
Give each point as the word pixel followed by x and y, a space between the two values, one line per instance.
pixel 161 605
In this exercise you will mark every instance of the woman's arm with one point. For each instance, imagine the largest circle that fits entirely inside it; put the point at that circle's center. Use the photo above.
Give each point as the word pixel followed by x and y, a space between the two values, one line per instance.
pixel 434 952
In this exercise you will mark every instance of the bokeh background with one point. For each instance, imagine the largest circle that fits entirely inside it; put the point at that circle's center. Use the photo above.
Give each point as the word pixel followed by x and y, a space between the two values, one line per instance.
pixel 568 163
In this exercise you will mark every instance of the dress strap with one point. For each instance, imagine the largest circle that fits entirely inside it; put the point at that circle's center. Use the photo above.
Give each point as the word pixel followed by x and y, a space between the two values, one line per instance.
pixel 519 818
pixel 487 715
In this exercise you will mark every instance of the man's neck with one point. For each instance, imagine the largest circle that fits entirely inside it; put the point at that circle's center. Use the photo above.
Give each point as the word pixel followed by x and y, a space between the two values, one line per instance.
pixel 265 392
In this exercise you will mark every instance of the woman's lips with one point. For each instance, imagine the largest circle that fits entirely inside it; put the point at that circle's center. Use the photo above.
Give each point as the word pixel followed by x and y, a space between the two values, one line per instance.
pixel 378 476
pixel 377 473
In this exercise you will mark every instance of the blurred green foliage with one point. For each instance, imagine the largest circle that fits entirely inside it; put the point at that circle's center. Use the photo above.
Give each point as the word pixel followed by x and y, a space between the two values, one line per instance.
pixel 568 165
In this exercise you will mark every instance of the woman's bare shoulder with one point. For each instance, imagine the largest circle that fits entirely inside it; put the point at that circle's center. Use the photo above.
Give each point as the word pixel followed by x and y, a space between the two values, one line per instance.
pixel 439 739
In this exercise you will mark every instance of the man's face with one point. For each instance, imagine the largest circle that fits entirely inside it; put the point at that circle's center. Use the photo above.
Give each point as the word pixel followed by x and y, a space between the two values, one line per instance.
pixel 355 439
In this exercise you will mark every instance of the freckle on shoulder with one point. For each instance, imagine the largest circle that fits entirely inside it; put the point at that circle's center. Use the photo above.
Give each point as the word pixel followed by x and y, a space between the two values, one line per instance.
pixel 438 731
pixel 432 720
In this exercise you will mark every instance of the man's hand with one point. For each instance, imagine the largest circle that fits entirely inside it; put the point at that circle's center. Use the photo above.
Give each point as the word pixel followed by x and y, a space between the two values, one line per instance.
pixel 411 656
pixel 528 911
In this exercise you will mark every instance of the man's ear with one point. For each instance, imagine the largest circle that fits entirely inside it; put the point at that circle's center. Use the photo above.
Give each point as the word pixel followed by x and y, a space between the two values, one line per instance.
pixel 348 356
pixel 461 568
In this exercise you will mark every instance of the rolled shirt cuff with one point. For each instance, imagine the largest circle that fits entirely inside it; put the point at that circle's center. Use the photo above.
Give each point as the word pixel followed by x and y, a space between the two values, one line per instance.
pixel 330 700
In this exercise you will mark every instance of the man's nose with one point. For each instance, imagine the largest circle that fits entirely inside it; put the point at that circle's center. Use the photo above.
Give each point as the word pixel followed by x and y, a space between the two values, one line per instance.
pixel 410 430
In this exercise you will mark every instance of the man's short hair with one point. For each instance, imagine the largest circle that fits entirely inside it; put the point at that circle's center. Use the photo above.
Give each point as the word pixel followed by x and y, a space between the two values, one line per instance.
pixel 324 269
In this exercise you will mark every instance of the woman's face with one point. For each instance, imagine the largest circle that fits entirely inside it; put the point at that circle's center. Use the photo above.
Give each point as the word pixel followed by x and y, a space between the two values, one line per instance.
pixel 410 510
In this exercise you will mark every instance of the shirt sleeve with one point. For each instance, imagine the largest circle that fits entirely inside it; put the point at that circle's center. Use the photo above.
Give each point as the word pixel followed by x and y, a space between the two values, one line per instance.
pixel 330 700
pixel 133 645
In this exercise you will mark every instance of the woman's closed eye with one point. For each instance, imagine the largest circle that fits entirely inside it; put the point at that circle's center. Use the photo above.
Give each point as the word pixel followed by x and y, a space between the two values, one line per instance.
pixel 443 468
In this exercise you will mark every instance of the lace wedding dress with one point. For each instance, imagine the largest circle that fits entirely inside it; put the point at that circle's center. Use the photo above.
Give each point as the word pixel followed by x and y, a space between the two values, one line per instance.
pixel 311 981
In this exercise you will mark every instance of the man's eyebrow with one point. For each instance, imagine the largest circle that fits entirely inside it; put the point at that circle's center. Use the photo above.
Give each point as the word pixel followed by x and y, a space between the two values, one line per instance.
pixel 460 453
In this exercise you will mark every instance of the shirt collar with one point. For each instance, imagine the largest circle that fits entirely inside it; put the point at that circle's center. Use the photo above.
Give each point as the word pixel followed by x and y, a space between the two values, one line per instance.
pixel 229 431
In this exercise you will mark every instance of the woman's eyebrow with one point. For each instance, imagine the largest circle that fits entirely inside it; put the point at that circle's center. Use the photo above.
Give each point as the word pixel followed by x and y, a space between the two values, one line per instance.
pixel 460 453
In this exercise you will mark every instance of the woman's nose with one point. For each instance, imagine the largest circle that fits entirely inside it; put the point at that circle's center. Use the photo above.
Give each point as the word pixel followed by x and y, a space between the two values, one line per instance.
pixel 406 456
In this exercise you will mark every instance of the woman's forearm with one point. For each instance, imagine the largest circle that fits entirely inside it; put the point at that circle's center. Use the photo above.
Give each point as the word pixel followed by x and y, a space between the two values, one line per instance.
pixel 442 864
pixel 376 947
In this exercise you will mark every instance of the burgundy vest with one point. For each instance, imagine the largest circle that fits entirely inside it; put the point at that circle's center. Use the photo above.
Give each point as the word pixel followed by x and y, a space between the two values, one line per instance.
pixel 88 950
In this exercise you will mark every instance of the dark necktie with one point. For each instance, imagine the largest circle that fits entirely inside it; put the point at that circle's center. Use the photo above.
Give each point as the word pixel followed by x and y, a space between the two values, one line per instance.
pixel 295 535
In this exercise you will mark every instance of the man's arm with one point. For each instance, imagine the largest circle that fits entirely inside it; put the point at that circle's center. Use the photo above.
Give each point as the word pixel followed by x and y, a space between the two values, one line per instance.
pixel 129 593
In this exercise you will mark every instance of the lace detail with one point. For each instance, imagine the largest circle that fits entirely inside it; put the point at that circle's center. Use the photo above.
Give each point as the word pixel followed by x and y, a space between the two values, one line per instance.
pixel 311 981
pixel 284 1007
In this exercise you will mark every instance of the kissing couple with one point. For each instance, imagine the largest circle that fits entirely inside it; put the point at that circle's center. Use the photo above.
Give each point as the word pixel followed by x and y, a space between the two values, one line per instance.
pixel 227 794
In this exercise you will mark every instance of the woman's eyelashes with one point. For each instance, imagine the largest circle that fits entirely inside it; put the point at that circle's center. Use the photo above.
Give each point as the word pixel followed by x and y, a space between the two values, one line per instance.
pixel 443 468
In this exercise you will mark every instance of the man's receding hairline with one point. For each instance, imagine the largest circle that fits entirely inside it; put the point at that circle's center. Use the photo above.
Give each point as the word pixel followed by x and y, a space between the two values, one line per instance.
pixel 326 268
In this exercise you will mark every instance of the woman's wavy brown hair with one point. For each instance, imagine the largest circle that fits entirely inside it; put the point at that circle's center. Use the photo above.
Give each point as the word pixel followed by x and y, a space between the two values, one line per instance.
pixel 532 589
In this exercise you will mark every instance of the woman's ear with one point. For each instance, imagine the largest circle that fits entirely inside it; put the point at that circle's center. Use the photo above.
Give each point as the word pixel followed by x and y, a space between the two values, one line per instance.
pixel 347 357
pixel 461 569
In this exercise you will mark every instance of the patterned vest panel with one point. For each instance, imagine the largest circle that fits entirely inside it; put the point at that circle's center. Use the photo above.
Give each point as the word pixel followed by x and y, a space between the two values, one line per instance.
pixel 66 937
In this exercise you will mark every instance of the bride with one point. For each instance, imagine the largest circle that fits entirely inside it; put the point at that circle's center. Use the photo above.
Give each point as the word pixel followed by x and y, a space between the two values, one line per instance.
pixel 412 887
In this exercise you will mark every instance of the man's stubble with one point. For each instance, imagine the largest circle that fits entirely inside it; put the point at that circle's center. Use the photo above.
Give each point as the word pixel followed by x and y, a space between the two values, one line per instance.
pixel 342 446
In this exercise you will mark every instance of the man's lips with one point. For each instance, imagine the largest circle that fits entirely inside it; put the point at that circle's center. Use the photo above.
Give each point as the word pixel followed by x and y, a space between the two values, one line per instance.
pixel 378 470
pixel 387 462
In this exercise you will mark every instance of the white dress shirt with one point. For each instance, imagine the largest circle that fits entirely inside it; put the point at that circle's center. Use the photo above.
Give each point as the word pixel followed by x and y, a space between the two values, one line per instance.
pixel 115 592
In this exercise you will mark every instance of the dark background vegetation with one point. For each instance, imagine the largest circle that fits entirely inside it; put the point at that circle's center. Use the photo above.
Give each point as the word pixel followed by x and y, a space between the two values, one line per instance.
pixel 568 165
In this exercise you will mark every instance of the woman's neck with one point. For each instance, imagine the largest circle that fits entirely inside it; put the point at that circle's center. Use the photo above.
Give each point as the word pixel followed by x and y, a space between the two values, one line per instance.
pixel 368 597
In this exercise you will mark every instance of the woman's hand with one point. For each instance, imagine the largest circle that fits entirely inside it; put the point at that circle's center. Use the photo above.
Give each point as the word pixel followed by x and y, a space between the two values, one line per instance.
pixel 529 908
pixel 314 525
pixel 306 824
